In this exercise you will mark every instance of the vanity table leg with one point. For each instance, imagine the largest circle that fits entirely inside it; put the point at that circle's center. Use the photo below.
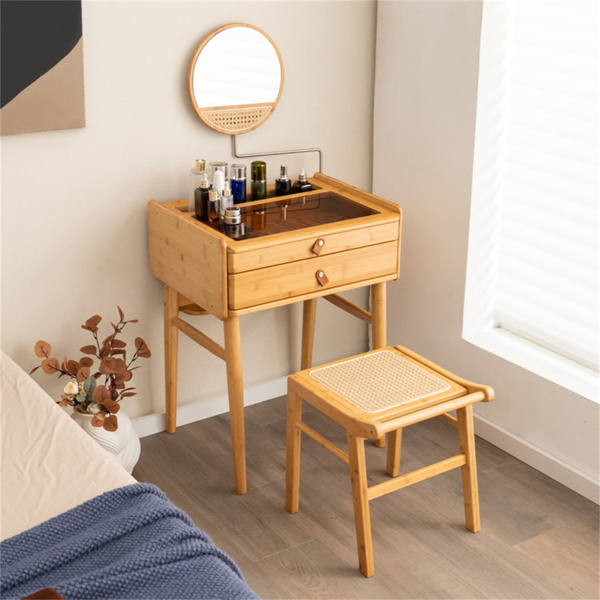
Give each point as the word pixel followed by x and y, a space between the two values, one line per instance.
pixel 378 312
pixel 235 387
pixel 309 313
pixel 171 310
pixel 378 327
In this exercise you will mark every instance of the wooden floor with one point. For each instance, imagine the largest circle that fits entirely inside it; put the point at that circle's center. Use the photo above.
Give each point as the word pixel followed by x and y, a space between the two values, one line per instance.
pixel 538 538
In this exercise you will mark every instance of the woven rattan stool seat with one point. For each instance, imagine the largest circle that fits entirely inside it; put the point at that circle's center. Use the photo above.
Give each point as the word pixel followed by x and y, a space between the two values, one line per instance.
pixel 378 381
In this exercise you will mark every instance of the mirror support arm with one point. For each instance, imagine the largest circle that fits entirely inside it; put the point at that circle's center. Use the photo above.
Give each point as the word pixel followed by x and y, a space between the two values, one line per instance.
pixel 275 152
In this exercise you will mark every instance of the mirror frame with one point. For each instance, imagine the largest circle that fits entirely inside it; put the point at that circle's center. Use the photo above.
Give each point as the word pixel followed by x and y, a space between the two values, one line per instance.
pixel 239 118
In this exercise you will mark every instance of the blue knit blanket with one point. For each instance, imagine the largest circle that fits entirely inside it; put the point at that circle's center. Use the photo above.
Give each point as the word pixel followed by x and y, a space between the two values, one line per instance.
pixel 131 542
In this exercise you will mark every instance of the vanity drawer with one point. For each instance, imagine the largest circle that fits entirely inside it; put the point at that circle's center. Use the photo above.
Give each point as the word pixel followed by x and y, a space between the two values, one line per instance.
pixel 284 253
pixel 279 282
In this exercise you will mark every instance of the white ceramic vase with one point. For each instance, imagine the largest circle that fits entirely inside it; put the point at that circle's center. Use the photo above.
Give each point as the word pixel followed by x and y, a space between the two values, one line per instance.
pixel 123 444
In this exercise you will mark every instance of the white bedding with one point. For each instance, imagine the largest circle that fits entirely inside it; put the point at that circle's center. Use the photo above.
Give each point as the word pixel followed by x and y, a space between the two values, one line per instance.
pixel 48 463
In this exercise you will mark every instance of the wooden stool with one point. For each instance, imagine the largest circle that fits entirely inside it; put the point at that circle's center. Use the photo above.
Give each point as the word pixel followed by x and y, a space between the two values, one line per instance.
pixel 373 394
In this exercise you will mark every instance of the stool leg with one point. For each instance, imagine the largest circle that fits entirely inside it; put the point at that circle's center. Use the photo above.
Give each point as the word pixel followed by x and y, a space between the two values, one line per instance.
pixel 466 440
pixel 393 456
pixel 362 516
pixel 292 467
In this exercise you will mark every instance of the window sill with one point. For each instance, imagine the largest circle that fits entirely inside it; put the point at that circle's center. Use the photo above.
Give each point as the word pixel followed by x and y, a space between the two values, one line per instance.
pixel 562 371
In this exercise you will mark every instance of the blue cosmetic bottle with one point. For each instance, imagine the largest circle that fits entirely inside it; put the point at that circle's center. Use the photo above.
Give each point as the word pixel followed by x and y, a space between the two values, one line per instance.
pixel 238 183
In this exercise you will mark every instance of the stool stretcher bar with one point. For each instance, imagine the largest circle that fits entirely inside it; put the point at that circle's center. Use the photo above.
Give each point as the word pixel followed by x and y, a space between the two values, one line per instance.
pixel 449 419
pixel 310 432
pixel 402 481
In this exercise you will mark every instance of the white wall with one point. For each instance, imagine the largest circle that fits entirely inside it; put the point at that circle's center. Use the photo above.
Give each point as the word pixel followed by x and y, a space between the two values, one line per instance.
pixel 74 239
pixel 425 102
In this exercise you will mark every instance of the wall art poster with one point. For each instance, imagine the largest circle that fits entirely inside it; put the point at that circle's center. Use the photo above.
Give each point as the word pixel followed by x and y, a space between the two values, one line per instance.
pixel 41 64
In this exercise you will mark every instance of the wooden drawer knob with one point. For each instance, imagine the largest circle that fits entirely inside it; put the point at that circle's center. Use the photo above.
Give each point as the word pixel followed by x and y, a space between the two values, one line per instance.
pixel 318 246
pixel 321 277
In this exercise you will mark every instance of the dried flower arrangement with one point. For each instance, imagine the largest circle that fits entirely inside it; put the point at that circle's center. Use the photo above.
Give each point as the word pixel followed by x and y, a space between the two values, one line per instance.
pixel 101 401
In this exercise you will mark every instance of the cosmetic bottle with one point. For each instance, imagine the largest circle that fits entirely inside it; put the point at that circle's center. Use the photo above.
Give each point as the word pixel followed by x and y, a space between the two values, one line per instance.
pixel 214 167
pixel 201 198
pixel 226 198
pixel 214 206
pixel 258 190
pixel 218 182
pixel 302 185
pixel 283 185
pixel 195 177
pixel 232 225
pixel 238 183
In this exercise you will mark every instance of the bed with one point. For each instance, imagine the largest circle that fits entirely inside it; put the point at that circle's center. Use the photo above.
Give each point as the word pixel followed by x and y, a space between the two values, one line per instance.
pixel 75 524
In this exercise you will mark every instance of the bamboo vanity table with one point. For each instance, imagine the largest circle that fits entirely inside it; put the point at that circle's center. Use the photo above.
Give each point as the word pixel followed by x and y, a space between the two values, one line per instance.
pixel 297 248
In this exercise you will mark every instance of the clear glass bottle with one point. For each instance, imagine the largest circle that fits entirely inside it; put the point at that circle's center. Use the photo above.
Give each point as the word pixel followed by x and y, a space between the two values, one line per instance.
pixel 195 177
pixel 258 190
pixel 226 198
pixel 302 185
pixel 214 166
pixel 283 184
pixel 238 183
pixel 214 206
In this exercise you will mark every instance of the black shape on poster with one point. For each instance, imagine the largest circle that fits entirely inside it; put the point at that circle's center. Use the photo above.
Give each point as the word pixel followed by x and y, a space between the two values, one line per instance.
pixel 35 35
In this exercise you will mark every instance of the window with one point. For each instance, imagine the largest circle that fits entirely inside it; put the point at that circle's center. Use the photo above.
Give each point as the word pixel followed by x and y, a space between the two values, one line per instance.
pixel 532 277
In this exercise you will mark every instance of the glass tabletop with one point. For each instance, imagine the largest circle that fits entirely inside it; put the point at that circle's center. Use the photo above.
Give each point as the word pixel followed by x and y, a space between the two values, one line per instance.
pixel 281 214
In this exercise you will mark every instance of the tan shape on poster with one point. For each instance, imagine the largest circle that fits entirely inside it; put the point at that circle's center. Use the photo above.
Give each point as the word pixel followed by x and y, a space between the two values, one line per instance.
pixel 54 101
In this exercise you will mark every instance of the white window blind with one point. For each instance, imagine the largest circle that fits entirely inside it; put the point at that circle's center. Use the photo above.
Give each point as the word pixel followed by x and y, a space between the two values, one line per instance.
pixel 539 106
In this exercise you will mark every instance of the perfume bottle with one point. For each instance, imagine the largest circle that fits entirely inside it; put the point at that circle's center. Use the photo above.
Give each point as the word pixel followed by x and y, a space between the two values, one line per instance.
pixel 238 183
pixel 258 188
pixel 195 177
pixel 226 198
pixel 283 185
pixel 214 206
pixel 201 198
pixel 302 185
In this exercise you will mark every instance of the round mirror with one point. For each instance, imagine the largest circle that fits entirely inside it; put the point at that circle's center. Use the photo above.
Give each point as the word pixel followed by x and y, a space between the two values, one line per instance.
pixel 236 78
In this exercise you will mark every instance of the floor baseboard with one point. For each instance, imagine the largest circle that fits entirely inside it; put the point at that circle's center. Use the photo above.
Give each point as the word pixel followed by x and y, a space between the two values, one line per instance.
pixel 539 459
pixel 203 409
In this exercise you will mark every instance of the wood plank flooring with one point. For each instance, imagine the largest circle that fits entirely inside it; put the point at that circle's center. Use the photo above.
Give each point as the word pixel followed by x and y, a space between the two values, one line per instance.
pixel 538 538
